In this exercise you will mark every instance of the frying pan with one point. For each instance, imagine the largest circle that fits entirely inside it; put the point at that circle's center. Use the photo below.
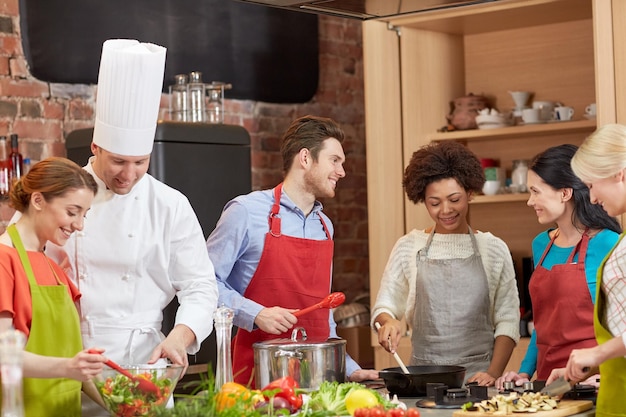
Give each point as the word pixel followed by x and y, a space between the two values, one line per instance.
pixel 414 383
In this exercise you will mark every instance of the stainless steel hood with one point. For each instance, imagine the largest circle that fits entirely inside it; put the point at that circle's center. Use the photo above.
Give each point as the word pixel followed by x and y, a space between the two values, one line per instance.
pixel 365 9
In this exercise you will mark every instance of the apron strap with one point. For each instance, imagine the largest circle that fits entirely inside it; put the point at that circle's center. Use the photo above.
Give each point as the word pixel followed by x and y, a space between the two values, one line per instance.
pixel 274 218
pixel 19 246
pixel 423 253
pixel 581 249
pixel 548 246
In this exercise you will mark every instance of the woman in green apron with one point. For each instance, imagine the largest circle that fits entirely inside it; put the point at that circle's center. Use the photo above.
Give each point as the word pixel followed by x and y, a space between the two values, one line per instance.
pixel 36 297
pixel 601 163
pixel 455 287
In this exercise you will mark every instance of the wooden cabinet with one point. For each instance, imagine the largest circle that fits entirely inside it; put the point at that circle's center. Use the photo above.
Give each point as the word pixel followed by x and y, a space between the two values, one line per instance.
pixel 570 51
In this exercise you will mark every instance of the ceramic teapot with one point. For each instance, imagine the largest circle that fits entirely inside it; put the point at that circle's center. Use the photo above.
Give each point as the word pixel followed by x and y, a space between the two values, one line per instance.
pixel 463 111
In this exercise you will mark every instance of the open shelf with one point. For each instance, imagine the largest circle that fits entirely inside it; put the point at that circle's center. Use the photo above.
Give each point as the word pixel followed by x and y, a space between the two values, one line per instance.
pixel 500 198
pixel 511 132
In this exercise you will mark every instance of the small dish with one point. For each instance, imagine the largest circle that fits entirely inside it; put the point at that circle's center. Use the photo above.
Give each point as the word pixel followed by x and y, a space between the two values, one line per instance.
pixel 560 121
pixel 589 116
pixel 491 125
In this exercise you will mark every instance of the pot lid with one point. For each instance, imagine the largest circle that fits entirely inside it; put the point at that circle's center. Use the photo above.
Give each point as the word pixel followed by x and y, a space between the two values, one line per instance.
pixel 285 343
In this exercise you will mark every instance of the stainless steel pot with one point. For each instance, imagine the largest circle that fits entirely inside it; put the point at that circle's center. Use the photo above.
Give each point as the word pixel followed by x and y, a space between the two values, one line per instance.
pixel 308 362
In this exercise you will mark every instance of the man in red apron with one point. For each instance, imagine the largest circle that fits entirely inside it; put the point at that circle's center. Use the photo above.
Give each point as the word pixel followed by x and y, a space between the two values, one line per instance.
pixel 273 249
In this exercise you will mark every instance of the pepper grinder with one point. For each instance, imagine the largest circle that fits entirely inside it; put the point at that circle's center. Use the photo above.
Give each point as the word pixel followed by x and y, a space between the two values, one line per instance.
pixel 12 344
pixel 223 330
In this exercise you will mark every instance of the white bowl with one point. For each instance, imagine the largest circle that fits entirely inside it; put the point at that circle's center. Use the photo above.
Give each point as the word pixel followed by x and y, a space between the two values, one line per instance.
pixel 491 187
pixel 491 121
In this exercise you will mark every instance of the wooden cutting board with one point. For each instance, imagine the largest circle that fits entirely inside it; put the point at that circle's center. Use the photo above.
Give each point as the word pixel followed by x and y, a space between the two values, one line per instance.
pixel 565 408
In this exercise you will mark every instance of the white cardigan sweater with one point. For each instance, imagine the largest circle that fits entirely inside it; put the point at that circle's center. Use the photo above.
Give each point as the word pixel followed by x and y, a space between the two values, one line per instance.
pixel 397 288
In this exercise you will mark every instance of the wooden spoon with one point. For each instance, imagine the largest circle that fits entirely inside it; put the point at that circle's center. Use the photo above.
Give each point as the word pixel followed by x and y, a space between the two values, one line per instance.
pixel 142 383
pixel 332 300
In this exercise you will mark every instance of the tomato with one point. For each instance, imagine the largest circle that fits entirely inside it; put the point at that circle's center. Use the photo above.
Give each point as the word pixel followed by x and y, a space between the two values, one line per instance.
pixel 377 412
pixel 362 412
pixel 412 412
pixel 395 412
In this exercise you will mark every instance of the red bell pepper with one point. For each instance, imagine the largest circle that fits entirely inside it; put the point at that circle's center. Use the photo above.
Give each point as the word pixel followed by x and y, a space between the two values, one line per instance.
pixel 287 388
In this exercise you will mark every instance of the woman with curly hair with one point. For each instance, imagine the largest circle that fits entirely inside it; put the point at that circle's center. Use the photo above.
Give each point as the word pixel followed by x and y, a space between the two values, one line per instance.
pixel 455 287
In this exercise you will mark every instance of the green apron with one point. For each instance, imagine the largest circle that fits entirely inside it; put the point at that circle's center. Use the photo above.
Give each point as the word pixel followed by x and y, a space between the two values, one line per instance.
pixel 611 399
pixel 54 331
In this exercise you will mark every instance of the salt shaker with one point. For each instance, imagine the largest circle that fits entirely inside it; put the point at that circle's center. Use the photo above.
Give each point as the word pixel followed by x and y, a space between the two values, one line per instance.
pixel 196 96
pixel 12 344
pixel 215 109
pixel 223 329
pixel 518 175
pixel 179 98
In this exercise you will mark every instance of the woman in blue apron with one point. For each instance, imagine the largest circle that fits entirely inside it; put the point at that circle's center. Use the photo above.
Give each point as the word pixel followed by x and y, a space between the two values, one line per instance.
pixel 36 297
pixel 563 285
pixel 600 163
pixel 455 286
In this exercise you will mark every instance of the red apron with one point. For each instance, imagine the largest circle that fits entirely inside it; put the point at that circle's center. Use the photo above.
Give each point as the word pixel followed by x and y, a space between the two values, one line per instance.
pixel 562 309
pixel 293 273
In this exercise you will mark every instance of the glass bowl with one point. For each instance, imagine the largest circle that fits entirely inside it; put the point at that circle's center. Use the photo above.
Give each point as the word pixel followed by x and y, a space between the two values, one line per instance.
pixel 123 398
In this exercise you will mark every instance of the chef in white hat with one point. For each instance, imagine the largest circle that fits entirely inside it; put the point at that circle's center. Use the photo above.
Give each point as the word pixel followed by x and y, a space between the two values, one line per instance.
pixel 142 243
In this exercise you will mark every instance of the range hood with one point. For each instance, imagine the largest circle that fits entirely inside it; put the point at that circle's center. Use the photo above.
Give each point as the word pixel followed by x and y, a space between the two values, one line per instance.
pixel 365 9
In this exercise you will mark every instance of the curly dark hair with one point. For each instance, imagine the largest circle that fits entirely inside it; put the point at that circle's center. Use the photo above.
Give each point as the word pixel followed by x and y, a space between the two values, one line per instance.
pixel 441 160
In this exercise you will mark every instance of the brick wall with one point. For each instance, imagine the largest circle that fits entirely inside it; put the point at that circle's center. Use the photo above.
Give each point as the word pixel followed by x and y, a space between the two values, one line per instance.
pixel 43 113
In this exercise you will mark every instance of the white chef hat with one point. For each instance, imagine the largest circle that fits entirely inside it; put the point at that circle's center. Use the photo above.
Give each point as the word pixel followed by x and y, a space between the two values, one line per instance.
pixel 128 97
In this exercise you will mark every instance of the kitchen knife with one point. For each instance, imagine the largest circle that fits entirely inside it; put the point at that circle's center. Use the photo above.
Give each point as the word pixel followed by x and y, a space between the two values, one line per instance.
pixel 558 387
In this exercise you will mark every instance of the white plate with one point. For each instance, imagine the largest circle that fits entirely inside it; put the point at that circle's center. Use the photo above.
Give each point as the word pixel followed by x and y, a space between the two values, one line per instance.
pixel 560 121
pixel 491 126
pixel 589 116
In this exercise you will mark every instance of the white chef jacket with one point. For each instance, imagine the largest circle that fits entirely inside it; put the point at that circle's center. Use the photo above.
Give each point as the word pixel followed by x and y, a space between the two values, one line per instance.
pixel 135 253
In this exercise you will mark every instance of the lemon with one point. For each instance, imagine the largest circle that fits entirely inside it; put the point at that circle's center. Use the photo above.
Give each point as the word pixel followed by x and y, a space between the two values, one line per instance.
pixel 360 398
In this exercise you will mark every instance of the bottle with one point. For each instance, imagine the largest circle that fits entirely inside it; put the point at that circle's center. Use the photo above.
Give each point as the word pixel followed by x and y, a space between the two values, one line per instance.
pixel 214 108
pixel 223 329
pixel 179 98
pixel 12 344
pixel 5 168
pixel 17 162
pixel 518 175
pixel 196 96
pixel 26 166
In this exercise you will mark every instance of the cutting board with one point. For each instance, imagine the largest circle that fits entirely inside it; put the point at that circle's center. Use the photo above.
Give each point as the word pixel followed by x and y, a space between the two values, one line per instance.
pixel 565 408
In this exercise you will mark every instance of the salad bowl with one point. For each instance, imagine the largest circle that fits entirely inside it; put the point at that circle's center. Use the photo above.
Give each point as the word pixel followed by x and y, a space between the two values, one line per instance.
pixel 122 395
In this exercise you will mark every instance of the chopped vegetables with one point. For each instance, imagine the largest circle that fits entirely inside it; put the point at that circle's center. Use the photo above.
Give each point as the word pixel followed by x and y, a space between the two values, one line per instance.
pixel 124 399
pixel 499 405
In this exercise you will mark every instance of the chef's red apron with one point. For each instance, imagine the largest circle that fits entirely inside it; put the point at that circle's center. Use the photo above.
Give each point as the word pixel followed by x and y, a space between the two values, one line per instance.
pixel 562 309
pixel 292 273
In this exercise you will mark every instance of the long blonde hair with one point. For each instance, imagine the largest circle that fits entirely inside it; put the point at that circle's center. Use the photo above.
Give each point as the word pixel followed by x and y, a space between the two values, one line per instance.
pixel 602 154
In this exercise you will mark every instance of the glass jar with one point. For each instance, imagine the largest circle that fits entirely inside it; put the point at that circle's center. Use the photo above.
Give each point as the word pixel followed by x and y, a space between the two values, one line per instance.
pixel 223 329
pixel 196 96
pixel 518 175
pixel 179 98
pixel 214 108
pixel 12 344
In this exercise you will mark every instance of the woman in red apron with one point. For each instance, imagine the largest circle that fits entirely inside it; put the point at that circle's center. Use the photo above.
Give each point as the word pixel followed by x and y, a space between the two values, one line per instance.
pixel 36 297
pixel 600 163
pixel 563 285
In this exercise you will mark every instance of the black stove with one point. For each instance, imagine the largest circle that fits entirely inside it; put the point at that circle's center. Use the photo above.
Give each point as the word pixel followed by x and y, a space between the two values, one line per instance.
pixel 440 396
